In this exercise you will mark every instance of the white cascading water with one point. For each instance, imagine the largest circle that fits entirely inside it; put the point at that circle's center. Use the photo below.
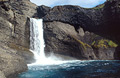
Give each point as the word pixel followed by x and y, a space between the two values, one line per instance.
pixel 36 38
pixel 37 44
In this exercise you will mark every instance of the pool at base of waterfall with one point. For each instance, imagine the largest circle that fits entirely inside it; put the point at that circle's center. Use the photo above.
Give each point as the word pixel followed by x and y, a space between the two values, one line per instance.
pixel 75 69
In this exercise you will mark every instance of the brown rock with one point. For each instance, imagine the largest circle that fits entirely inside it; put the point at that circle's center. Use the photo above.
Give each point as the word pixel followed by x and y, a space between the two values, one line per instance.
pixel 14 36
pixel 2 75
pixel 10 62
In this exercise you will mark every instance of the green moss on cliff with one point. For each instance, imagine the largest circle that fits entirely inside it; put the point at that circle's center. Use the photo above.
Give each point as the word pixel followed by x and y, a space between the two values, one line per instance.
pixel 112 44
pixel 99 6
pixel 84 45
pixel 103 43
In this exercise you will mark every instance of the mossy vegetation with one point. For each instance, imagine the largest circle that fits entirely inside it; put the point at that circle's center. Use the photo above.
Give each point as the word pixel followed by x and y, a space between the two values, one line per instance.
pixel 103 43
pixel 99 6
pixel 112 44
pixel 84 45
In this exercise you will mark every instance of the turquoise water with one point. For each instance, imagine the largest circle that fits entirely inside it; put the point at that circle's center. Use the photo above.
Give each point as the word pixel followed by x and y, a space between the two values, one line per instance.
pixel 77 69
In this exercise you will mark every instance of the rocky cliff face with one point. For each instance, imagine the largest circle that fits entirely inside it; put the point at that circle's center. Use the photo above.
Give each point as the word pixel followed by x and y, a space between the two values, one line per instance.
pixel 69 30
pixel 14 35
pixel 2 75
pixel 73 31
pixel 99 20
pixel 63 39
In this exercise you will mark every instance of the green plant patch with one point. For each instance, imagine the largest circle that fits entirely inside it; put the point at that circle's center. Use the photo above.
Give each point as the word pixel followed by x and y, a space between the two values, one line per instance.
pixel 104 43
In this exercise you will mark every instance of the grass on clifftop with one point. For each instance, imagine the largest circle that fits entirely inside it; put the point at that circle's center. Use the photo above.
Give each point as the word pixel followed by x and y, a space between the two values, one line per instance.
pixel 99 6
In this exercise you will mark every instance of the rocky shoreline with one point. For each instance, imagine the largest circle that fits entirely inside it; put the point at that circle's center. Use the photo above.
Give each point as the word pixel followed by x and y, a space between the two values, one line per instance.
pixel 73 31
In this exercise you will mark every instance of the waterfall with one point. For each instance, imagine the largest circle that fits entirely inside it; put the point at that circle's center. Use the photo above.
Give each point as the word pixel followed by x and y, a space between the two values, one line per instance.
pixel 36 38
pixel 37 45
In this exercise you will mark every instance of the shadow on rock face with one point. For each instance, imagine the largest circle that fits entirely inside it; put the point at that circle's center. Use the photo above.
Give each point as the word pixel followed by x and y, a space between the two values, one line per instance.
pixel 117 53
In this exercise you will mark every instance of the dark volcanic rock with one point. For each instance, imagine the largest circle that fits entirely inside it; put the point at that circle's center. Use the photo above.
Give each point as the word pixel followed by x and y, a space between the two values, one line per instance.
pixel 76 16
pixel 111 15
pixel 102 20
pixel 117 53
pixel 63 39
pixel 60 39
pixel 42 11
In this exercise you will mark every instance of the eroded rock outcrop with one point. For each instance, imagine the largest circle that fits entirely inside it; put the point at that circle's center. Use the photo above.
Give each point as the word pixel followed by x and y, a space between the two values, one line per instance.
pixel 63 39
pixel 102 20
pixel 14 35
pixel 10 62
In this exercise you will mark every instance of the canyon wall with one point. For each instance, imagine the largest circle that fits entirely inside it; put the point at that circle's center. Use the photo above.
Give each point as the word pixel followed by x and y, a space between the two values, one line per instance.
pixel 82 33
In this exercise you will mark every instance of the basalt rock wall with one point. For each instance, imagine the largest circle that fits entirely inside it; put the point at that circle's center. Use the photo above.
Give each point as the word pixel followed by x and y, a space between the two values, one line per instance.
pixel 101 21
